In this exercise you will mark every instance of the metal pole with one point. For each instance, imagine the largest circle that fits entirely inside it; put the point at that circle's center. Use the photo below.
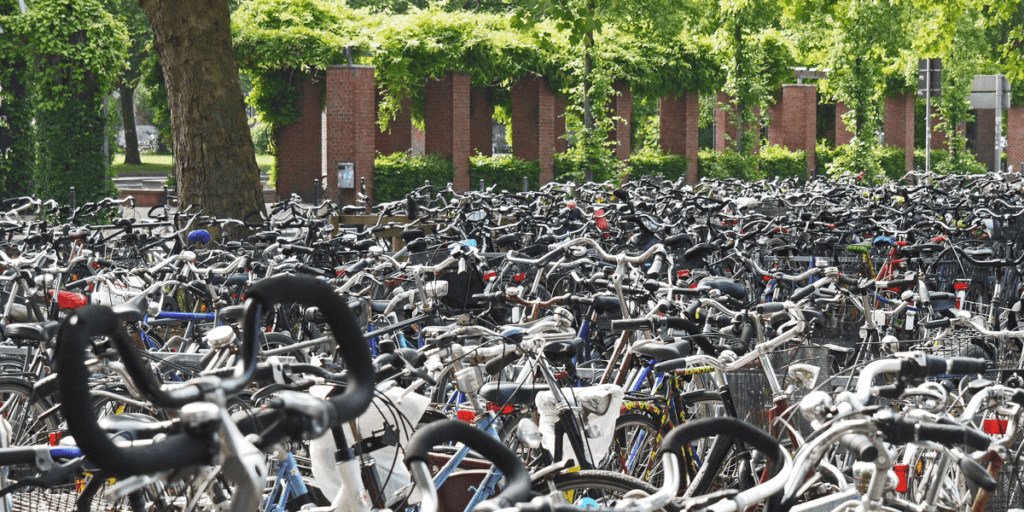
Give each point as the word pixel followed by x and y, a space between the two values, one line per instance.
pixel 72 199
pixel 928 115
pixel 481 184
pixel 526 184
pixel 316 191
pixel 999 125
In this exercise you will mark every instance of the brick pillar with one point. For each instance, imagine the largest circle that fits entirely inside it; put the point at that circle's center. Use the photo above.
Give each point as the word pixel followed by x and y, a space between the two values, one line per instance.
pixel 725 122
pixel 775 127
pixel 299 159
pixel 622 107
pixel 398 136
pixel 843 134
pixel 561 145
pixel 679 117
pixel 481 122
pixel 350 127
pixel 986 137
pixel 899 125
pixel 800 117
pixel 533 124
pixel 1015 138
pixel 447 119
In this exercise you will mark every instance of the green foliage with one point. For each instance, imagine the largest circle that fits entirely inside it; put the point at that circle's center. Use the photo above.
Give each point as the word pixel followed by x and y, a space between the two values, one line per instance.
pixel 18 161
pixel 727 164
pixel 572 165
pixel 505 171
pixel 651 161
pixel 155 93
pixel 779 162
pixel 888 161
pixel 943 163
pixel 75 51
pixel 398 174
pixel 262 139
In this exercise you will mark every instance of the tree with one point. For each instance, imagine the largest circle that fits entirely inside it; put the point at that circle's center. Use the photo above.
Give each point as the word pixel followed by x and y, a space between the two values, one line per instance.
pixel 139 36
pixel 214 159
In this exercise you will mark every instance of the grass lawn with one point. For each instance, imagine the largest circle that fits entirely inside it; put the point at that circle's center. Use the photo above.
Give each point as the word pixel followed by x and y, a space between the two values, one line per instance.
pixel 163 164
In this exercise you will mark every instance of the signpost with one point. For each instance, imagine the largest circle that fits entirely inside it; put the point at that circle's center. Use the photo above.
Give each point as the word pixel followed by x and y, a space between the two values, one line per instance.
pixel 992 91
pixel 929 83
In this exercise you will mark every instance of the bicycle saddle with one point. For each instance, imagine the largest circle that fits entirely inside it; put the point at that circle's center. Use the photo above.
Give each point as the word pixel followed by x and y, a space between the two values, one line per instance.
pixel 511 393
pixel 35 331
pixel 134 310
pixel 726 286
pixel 663 352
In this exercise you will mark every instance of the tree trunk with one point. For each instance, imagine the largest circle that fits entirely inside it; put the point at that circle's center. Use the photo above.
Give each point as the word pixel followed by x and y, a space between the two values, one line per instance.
pixel 214 160
pixel 131 137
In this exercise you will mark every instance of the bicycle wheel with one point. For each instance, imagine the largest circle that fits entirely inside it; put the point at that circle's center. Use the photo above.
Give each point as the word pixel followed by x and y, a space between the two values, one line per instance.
pixel 30 425
pixel 591 488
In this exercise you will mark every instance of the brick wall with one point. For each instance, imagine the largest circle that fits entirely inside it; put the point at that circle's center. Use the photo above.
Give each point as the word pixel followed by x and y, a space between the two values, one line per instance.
pixel 775 110
pixel 938 136
pixel 481 122
pixel 622 108
pixel 679 118
pixel 799 118
pixel 350 125
pixel 986 137
pixel 899 125
pixel 1015 138
pixel 299 158
pixel 447 123
pixel 561 144
pixel 398 137
pixel 533 124
pixel 843 134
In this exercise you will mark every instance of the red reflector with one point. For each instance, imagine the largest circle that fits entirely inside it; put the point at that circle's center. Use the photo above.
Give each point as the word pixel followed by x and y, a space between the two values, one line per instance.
pixel 491 406
pixel 561 375
pixel 767 278
pixel 466 416
pixel 339 272
pixel 70 300
pixel 683 273
pixel 605 234
pixel 961 286
pixel 901 243
pixel 830 226
pixel 55 438
pixel 519 277
pixel 572 204
pixel 602 223
pixel 490 275
pixel 902 472
pixel 994 426
pixel 95 265
pixel 694 285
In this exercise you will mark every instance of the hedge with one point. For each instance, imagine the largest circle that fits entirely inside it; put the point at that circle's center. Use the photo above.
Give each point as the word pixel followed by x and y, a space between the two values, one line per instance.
pixel 649 162
pixel 941 165
pixel 779 162
pixel 727 164
pixel 891 159
pixel 397 174
pixel 571 166
pixel 504 170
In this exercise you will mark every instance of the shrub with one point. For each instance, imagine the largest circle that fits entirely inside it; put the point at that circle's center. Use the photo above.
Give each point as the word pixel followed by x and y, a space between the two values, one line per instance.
pixel 727 164
pixel 398 174
pixel 262 138
pixel 779 162
pixel 651 161
pixel 571 166
pixel 941 163
pixel 504 170
pixel 890 159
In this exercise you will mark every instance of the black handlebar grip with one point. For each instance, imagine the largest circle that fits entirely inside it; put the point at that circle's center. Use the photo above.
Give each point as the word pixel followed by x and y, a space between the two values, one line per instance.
pixel 176 451
pixel 517 479
pixel 17 455
pixel 105 263
pixel 298 248
pixel 860 446
pixel 849 281
pixel 355 350
pixel 693 430
pixel 488 297
pixel 494 366
pixel 939 323
pixel 954 434
pixel 74 285
pixel 769 308
pixel 902 282
pixel 1018 397
pixel 967 365
pixel 747 334
pixel 800 294
pixel 978 474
